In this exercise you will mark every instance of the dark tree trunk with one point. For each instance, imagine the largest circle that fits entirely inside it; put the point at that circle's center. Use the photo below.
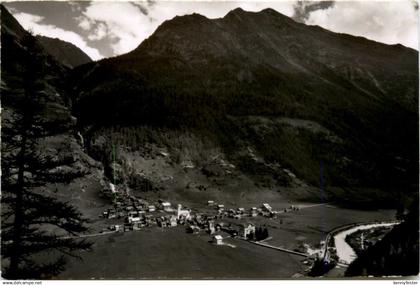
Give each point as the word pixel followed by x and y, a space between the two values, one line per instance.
pixel 18 221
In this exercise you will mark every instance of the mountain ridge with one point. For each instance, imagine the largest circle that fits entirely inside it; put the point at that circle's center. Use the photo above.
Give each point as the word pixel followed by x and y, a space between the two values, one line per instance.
pixel 65 52
pixel 257 85
pixel 215 74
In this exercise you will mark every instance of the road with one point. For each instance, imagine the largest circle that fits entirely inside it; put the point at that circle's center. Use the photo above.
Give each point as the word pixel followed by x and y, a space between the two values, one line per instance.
pixel 280 248
pixel 311 205
pixel 275 247
pixel 90 235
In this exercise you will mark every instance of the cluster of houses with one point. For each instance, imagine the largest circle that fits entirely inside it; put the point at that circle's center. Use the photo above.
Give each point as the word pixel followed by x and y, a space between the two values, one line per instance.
pixel 161 216
pixel 210 226
pixel 265 210
pixel 138 213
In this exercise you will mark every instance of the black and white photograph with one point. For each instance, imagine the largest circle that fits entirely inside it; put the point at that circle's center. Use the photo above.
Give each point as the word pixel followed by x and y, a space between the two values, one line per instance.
pixel 209 140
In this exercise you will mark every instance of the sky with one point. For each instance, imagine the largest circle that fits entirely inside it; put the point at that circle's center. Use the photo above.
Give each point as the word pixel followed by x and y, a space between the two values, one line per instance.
pixel 104 29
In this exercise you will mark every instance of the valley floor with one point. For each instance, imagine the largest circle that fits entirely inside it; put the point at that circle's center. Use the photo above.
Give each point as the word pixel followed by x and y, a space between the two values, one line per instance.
pixel 171 253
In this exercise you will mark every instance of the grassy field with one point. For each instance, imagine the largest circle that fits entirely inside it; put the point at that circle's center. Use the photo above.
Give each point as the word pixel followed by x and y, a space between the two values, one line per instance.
pixel 310 225
pixel 174 254
pixel 170 253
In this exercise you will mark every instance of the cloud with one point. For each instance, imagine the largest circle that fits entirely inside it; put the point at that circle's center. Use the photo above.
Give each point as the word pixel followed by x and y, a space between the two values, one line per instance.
pixel 99 32
pixel 33 23
pixel 84 23
pixel 303 9
pixel 75 6
pixel 389 22
pixel 127 24
pixel 124 23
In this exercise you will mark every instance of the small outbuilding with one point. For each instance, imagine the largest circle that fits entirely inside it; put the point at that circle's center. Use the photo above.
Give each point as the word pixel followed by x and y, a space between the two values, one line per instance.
pixel 173 221
pixel 134 219
pixel 136 226
pixel 218 239
pixel 266 207
pixel 166 206
pixel 254 212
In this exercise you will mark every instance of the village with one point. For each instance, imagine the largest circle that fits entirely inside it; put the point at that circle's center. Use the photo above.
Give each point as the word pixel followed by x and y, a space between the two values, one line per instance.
pixel 132 214
pixel 221 226
pixel 239 232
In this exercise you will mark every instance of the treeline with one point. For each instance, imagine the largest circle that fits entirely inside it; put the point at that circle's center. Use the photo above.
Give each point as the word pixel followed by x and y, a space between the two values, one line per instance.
pixel 260 234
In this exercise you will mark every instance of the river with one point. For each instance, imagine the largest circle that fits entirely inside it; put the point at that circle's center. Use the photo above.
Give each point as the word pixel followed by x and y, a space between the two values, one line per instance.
pixel 345 252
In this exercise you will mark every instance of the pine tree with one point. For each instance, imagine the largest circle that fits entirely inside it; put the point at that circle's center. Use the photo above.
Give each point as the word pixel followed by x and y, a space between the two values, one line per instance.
pixel 258 233
pixel 264 233
pixel 28 215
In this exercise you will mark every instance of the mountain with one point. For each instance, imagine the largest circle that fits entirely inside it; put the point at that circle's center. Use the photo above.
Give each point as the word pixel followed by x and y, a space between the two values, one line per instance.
pixel 10 25
pixel 283 100
pixel 15 50
pixel 241 110
pixel 64 52
pixel 251 101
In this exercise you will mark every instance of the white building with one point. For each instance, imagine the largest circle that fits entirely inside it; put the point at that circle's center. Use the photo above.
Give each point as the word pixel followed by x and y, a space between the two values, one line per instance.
pixel 133 219
pixel 173 221
pixel 152 208
pixel 182 213
pixel 166 206
pixel 218 239
pixel 254 212
pixel 136 226
pixel 248 230
pixel 212 229
pixel 267 207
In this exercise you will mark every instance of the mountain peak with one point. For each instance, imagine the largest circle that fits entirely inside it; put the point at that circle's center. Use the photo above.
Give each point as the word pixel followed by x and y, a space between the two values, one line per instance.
pixel 267 13
pixel 237 12
pixel 189 17
pixel 270 11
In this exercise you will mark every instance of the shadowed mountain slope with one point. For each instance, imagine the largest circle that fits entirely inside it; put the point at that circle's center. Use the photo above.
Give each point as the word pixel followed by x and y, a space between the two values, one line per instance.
pixel 249 78
pixel 64 52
